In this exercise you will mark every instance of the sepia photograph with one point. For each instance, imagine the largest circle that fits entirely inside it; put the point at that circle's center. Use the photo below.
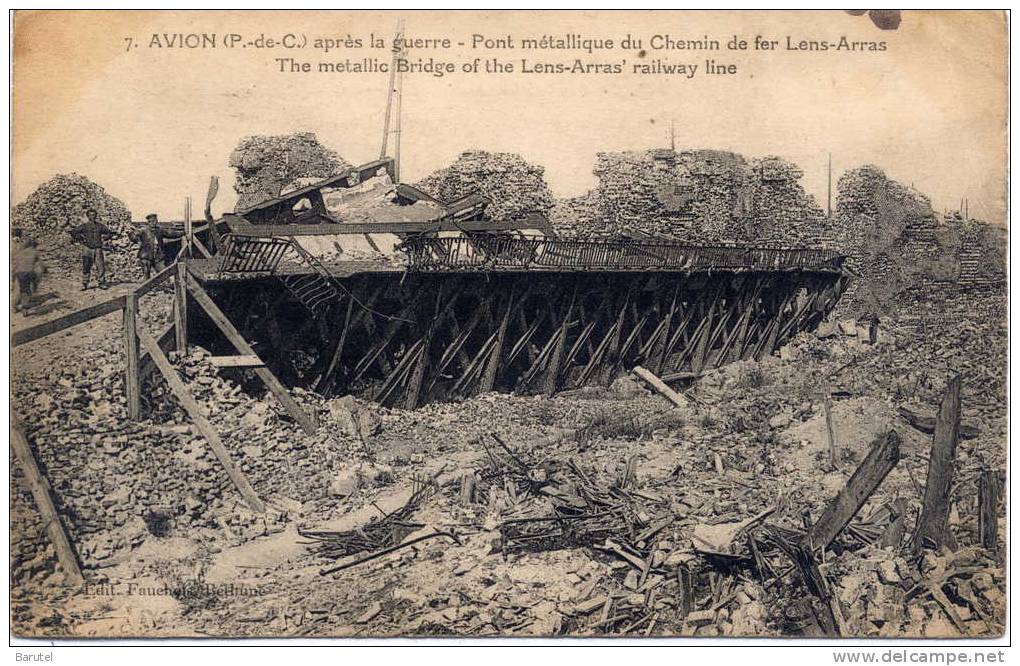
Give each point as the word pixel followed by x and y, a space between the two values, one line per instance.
pixel 573 324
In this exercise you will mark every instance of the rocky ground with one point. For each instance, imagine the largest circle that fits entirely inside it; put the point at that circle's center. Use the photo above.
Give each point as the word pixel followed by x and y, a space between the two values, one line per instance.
pixel 600 511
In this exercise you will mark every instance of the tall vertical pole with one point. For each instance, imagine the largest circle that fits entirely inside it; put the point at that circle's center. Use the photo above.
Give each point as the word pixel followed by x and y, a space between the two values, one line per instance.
pixel 181 308
pixel 396 131
pixel 391 89
pixel 829 196
pixel 187 225
pixel 132 378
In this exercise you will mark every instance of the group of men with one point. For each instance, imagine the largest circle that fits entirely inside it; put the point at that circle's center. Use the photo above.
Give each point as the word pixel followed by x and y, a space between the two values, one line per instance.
pixel 92 235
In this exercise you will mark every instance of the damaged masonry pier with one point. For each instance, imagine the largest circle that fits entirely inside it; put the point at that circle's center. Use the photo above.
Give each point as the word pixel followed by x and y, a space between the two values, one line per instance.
pixel 356 285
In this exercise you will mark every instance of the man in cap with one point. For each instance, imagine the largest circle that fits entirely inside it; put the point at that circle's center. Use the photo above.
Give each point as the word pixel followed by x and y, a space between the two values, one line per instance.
pixel 92 235
pixel 150 245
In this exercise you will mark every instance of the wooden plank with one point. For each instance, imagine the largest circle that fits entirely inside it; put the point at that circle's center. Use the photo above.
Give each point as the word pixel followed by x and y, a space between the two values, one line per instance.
pixel 418 374
pixel 165 342
pixel 932 529
pixel 596 357
pixel 156 280
pixel 660 386
pixel 324 380
pixel 989 490
pixel 40 488
pixel 366 361
pixel 421 363
pixel 188 232
pixel 492 365
pixel 541 359
pixel 893 533
pixel 306 422
pixel 582 338
pixel 800 315
pixel 884 454
pixel 239 361
pixel 242 228
pixel 720 326
pixel 830 430
pixel 830 616
pixel 399 373
pixel 184 397
pixel 646 350
pixel 181 308
pixel 475 367
pixel 612 354
pixel 201 248
pixel 69 320
pixel 701 348
pixel 658 354
pixel 926 422
pixel 734 344
pixel 523 343
pixel 352 319
pixel 552 376
pixel 456 347
pixel 767 344
pixel 132 375
pixel 633 337
pixel 672 359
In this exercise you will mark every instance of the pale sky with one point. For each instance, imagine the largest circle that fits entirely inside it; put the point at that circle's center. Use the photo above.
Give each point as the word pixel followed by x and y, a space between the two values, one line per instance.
pixel 151 125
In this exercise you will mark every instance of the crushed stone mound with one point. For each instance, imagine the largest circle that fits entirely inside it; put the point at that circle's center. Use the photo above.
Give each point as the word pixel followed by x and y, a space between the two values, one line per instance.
pixel 701 196
pixel 266 164
pixel 57 206
pixel 902 251
pixel 515 186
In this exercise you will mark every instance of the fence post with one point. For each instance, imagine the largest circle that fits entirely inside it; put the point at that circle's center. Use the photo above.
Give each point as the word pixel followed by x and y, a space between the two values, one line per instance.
pixel 933 524
pixel 181 308
pixel 132 377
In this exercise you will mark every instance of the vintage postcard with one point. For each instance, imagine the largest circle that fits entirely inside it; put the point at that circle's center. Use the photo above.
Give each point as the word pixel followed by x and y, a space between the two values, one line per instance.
pixel 493 324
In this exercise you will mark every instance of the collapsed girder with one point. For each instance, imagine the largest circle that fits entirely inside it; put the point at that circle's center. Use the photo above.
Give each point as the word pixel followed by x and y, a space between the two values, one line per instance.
pixel 407 338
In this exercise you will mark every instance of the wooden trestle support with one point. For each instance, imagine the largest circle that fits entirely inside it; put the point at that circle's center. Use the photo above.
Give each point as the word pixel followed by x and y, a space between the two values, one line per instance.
pixel 405 339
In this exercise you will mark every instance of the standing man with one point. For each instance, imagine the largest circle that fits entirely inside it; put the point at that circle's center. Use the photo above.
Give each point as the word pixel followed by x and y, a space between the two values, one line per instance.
pixel 150 245
pixel 873 323
pixel 28 268
pixel 91 235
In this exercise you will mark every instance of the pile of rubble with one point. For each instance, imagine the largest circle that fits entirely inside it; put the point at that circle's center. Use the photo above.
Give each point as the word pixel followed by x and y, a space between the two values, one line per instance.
pixel 515 187
pixel 51 212
pixel 550 516
pixel 952 594
pixel 902 251
pixel 960 333
pixel 704 196
pixel 267 164
pixel 120 481
pixel 982 254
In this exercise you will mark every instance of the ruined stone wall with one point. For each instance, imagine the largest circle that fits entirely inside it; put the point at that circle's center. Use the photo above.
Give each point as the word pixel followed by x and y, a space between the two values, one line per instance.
pixel 902 251
pixel 514 186
pixel 698 196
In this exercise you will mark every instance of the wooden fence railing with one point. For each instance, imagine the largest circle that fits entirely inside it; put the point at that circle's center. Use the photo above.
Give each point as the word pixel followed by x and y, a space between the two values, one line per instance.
pixel 143 353
pixel 494 252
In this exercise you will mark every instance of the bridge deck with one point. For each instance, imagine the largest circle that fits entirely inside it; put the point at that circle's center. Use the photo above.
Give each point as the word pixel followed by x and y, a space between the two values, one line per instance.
pixel 252 257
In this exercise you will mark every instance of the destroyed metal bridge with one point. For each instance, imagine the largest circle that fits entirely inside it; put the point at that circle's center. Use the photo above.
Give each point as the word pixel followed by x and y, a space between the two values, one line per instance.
pixel 450 317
